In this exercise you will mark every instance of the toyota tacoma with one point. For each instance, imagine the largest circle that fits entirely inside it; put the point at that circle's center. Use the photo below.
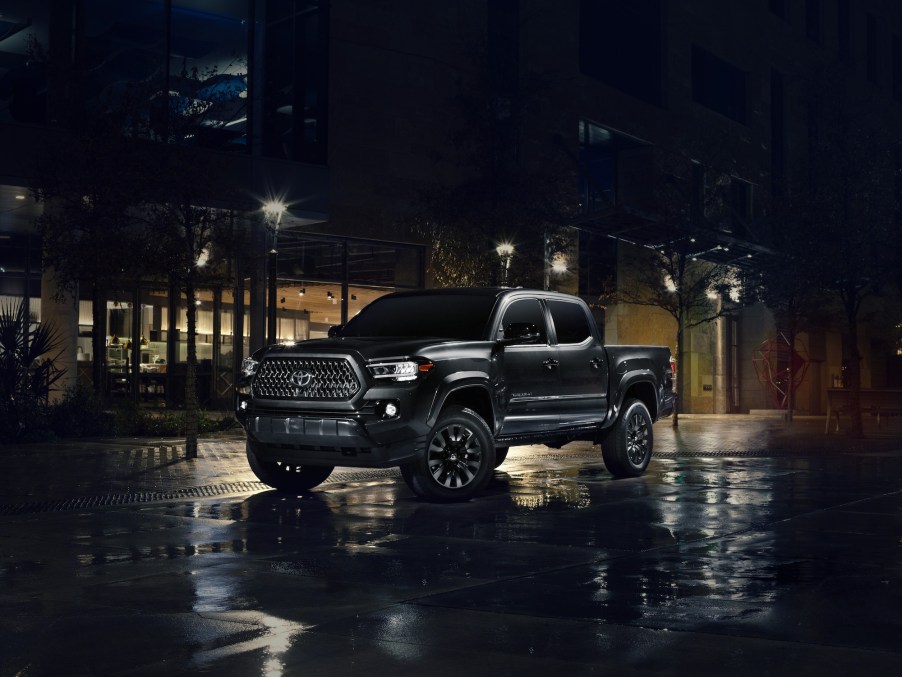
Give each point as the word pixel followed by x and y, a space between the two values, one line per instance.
pixel 441 383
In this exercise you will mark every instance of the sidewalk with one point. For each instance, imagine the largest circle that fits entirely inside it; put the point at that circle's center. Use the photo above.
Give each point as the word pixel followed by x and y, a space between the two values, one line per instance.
pixel 71 473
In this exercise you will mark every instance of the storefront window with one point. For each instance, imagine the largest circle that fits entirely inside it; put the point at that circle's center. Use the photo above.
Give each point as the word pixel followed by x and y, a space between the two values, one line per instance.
pixel 324 281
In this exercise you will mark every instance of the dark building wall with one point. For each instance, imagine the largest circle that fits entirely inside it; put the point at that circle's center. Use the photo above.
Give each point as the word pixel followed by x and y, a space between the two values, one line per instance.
pixel 397 71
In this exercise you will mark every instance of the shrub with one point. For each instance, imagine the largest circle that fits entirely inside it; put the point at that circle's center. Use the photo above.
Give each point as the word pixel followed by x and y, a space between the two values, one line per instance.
pixel 27 372
pixel 80 414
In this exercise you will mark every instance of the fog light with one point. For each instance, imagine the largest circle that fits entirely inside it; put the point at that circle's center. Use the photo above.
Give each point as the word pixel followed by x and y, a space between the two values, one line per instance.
pixel 388 408
pixel 242 405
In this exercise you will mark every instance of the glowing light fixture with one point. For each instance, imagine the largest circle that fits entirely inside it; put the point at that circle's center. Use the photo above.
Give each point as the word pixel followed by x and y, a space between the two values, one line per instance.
pixel 505 253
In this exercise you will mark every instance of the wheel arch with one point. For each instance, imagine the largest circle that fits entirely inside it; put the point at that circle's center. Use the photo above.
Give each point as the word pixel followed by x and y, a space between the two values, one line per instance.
pixel 473 396
pixel 644 391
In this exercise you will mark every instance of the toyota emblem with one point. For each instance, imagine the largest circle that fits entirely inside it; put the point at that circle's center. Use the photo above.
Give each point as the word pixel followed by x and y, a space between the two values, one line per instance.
pixel 302 378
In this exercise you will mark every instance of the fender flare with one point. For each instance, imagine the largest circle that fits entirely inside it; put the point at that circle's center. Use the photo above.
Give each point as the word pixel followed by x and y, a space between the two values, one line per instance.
pixel 456 382
pixel 619 394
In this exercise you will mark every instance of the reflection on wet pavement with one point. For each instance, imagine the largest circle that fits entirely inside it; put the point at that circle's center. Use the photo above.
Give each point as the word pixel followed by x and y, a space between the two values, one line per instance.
pixel 710 565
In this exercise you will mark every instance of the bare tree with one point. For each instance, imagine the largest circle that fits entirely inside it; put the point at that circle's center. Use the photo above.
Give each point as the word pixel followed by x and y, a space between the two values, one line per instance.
pixel 464 226
pixel 851 209
pixel 688 270
pixel 787 285
pixel 195 239
pixel 692 292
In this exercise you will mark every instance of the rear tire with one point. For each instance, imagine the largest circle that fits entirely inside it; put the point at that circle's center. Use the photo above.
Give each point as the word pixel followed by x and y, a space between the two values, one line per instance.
pixel 627 446
pixel 458 460
pixel 287 477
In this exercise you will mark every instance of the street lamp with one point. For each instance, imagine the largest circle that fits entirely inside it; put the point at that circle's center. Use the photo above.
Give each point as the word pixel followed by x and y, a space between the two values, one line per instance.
pixel 272 218
pixel 505 253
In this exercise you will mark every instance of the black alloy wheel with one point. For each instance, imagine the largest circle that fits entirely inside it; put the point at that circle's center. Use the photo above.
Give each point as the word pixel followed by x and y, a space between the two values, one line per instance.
pixel 627 446
pixel 458 460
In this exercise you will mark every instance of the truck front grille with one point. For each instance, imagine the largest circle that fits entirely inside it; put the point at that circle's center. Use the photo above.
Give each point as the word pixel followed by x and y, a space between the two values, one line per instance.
pixel 306 378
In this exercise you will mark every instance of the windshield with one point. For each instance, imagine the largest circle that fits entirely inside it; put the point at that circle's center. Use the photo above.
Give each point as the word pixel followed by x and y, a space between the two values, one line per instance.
pixel 454 316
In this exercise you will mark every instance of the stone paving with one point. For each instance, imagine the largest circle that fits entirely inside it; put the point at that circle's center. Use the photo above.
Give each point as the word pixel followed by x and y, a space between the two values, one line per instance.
pixel 750 547
pixel 40 477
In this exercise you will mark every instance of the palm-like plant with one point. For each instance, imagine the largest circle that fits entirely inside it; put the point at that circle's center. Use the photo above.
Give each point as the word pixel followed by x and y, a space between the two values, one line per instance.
pixel 27 367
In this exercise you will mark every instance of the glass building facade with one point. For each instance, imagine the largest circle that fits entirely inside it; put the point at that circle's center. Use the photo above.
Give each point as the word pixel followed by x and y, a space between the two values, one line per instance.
pixel 245 81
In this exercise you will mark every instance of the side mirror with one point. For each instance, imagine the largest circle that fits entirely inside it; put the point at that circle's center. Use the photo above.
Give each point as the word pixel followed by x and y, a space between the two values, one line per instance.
pixel 521 332
pixel 335 330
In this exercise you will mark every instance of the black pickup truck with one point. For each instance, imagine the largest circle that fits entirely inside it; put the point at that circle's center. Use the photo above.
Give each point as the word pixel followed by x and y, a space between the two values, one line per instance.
pixel 441 383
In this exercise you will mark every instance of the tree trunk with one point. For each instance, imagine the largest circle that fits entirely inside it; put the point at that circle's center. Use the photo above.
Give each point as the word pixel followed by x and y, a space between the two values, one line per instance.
pixel 857 428
pixel 790 390
pixel 681 380
pixel 191 409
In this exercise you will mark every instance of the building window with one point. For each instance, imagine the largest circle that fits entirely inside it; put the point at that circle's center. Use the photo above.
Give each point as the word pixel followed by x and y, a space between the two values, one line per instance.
pixel 697 194
pixel 620 44
pixel 23 79
pixel 208 70
pixel 295 93
pixel 741 193
pixel 844 29
pixel 597 263
pixel 813 20
pixel 873 50
pixel 597 168
pixel 204 73
pixel 718 85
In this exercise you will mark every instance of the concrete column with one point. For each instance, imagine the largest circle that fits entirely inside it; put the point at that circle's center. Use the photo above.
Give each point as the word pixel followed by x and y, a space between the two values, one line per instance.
pixel 257 290
pixel 60 309
pixel 722 384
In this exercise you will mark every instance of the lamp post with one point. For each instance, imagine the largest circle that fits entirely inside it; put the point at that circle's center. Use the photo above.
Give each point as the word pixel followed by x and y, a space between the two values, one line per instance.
pixel 272 217
pixel 505 253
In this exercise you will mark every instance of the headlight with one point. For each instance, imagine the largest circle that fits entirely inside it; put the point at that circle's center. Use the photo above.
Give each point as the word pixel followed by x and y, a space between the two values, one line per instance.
pixel 400 370
pixel 249 366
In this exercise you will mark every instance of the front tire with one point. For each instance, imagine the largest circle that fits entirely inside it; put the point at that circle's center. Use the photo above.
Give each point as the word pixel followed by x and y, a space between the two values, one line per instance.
pixel 458 461
pixel 627 446
pixel 287 477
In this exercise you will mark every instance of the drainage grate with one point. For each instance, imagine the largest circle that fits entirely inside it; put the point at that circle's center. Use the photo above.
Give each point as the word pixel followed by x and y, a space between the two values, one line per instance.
pixel 83 502
pixel 99 501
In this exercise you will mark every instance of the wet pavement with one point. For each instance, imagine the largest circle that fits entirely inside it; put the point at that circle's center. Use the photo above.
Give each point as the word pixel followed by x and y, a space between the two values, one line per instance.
pixel 750 547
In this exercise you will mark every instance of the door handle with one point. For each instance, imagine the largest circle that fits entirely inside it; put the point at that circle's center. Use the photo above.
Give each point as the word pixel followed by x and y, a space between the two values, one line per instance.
pixel 550 364
pixel 596 363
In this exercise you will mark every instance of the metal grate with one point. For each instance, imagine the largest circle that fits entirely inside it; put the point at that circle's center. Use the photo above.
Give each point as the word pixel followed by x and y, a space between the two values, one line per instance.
pixel 187 493
pixel 306 378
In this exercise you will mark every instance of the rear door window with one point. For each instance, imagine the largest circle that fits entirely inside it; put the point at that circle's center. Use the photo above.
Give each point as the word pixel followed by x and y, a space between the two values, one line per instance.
pixel 571 323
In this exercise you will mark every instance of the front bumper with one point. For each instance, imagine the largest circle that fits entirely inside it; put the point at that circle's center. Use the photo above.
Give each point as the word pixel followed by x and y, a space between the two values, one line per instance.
pixel 317 440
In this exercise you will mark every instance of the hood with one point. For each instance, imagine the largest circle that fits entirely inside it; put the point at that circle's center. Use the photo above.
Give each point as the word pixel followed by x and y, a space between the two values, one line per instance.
pixel 366 348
